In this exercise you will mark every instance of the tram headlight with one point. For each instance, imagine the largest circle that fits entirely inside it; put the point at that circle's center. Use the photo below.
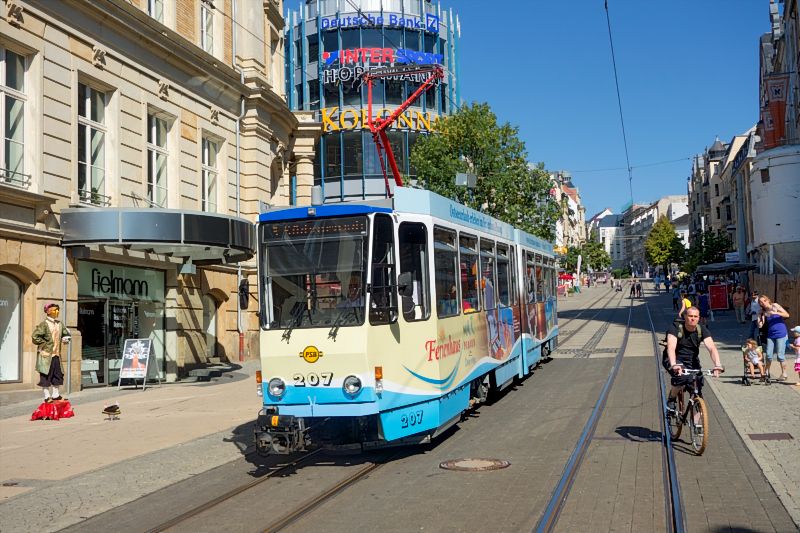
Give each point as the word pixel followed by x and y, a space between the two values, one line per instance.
pixel 276 387
pixel 352 385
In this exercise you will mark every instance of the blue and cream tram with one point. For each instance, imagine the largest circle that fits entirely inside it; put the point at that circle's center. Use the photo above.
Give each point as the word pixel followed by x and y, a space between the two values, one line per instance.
pixel 382 322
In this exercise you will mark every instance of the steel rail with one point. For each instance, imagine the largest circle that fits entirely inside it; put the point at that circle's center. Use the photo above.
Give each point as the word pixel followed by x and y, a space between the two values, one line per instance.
pixel 551 513
pixel 205 506
pixel 563 340
pixel 312 503
pixel 673 501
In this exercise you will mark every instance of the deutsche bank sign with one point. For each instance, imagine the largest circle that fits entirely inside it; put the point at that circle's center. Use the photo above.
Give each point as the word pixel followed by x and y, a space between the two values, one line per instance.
pixel 430 23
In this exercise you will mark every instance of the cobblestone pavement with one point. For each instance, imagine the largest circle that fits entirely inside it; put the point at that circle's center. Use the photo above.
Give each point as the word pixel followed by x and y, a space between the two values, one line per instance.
pixel 753 411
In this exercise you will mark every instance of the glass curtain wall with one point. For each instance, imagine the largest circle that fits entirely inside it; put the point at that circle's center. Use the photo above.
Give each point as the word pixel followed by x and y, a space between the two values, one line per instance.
pixel 347 165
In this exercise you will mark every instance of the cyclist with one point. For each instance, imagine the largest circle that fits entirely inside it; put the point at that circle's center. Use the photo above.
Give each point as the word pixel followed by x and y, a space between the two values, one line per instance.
pixel 683 351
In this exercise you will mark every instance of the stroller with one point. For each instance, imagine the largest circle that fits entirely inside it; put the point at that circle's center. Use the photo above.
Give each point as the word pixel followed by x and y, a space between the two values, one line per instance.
pixel 763 377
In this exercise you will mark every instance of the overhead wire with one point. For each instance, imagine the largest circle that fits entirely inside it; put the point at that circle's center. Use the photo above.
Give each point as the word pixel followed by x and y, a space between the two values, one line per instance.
pixel 643 165
pixel 619 103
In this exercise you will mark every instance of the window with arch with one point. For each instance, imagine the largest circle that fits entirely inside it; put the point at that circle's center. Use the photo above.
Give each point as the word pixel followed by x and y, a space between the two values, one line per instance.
pixel 10 328
pixel 210 324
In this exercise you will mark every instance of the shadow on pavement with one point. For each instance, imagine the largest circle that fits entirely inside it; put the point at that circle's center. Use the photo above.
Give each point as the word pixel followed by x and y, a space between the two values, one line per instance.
pixel 638 434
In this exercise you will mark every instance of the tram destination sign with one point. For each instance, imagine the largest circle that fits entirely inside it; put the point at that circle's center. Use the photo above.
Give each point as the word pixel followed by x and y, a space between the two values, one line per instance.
pixel 304 229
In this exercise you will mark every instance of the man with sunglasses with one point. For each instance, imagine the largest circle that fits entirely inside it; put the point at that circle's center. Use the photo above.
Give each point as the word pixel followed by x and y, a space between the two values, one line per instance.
pixel 683 351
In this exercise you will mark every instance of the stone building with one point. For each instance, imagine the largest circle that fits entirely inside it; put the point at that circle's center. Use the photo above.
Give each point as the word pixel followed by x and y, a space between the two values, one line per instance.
pixel 143 137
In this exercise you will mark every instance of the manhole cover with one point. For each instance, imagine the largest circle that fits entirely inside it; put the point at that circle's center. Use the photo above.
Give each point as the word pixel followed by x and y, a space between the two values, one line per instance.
pixel 474 465
pixel 769 436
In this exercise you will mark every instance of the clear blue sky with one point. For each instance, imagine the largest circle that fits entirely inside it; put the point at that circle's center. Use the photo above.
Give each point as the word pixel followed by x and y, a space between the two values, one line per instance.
pixel 688 71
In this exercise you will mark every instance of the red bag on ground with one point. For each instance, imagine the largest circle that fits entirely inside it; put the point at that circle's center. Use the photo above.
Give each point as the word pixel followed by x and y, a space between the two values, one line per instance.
pixel 53 411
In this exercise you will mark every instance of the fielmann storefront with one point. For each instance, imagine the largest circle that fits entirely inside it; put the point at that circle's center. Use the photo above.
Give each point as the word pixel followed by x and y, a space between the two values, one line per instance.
pixel 330 43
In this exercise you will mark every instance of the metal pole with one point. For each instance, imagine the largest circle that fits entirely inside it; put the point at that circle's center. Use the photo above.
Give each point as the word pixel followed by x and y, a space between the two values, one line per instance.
pixel 64 317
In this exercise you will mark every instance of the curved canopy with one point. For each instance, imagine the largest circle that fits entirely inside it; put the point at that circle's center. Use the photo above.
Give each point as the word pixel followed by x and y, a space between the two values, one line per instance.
pixel 205 238
pixel 715 268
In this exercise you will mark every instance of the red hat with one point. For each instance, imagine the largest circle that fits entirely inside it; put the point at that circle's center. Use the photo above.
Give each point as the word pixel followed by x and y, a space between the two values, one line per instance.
pixel 48 306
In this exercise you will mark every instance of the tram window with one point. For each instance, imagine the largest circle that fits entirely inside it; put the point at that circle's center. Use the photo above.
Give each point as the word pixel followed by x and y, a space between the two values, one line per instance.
pixel 445 261
pixel 488 275
pixel 503 281
pixel 513 277
pixel 468 247
pixel 413 283
pixel 383 309
pixel 539 283
pixel 530 278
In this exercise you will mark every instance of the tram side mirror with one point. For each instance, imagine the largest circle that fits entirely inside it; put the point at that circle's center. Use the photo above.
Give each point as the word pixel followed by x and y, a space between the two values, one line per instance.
pixel 244 293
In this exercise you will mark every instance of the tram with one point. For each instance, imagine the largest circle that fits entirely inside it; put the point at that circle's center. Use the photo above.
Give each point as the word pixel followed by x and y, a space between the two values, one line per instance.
pixel 383 322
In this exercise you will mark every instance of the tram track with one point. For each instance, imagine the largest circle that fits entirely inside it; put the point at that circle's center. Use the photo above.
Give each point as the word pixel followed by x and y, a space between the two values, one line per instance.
pixel 227 496
pixel 572 333
pixel 673 503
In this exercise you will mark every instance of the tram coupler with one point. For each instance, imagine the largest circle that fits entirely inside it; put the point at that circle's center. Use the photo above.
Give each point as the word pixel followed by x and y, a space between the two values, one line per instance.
pixel 279 434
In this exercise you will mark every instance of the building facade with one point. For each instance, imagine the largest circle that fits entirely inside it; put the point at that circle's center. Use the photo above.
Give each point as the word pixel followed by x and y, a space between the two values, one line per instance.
pixel 705 172
pixel 329 45
pixel 142 138
pixel 571 225
pixel 638 220
pixel 774 181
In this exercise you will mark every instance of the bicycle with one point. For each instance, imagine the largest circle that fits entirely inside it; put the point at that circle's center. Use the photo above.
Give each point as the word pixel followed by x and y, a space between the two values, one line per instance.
pixel 695 413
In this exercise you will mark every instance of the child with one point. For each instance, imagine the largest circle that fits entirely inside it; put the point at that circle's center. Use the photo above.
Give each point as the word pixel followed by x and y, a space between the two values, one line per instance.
pixel 753 357
pixel 796 347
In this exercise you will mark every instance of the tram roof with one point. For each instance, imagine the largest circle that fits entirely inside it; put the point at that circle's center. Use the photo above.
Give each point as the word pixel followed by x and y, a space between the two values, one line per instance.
pixel 417 201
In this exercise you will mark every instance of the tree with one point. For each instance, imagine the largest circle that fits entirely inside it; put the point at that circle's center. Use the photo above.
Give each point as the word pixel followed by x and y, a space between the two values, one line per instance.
pixel 595 255
pixel 708 247
pixel 663 246
pixel 508 187
pixel 570 260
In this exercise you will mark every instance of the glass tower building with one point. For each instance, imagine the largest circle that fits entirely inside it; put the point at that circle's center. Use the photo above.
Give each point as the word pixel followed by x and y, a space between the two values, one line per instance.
pixel 329 44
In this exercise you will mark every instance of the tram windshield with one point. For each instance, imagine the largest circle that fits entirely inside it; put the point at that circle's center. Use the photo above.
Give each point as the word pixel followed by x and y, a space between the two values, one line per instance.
pixel 314 272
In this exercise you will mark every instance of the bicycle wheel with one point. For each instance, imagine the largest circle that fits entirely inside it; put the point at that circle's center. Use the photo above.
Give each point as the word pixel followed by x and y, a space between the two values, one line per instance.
pixel 698 424
pixel 674 419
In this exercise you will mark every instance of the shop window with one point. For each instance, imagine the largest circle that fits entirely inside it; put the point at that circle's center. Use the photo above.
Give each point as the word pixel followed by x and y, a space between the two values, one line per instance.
pixel 488 281
pixel 468 250
pixel 372 38
pixel 12 118
pixel 384 296
pixel 413 283
pixel 91 145
pixel 350 39
pixel 157 157
pixel 10 328
pixel 210 325
pixel 394 92
pixel 209 175
pixel 331 94
pixel 445 266
pixel 430 42
pixel 313 95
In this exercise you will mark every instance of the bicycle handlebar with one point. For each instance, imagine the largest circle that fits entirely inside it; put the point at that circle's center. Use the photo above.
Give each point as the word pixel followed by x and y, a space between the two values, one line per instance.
pixel 705 372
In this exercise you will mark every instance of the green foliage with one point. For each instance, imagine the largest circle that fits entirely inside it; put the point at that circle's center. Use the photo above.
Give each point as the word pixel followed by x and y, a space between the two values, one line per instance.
pixel 663 246
pixel 508 188
pixel 570 260
pixel 707 247
pixel 595 255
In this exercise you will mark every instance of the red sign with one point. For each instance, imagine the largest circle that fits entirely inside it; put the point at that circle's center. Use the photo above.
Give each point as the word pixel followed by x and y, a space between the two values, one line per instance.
pixel 774 116
pixel 718 296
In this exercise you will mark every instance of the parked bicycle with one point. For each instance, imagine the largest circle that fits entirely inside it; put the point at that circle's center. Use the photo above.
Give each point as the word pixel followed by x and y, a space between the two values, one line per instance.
pixel 692 413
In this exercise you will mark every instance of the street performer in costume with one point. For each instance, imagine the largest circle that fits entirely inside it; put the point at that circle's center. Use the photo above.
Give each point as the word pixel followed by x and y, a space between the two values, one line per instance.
pixel 49 336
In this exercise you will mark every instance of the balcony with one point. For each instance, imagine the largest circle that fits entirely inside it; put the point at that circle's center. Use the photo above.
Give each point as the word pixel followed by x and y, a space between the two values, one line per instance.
pixel 15 179
pixel 93 198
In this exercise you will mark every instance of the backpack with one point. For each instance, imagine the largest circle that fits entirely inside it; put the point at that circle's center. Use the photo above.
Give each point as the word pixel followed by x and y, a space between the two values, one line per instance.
pixel 679 326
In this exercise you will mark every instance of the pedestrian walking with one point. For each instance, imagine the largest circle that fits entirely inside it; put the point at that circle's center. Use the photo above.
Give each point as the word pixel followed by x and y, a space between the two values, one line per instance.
pixel 754 310
pixel 738 304
pixel 638 289
pixel 772 318
pixel 633 288
pixel 686 303
pixel 704 306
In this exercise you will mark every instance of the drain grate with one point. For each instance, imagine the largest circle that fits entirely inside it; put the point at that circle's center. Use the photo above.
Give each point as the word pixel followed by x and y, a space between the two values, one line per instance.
pixel 474 465
pixel 770 436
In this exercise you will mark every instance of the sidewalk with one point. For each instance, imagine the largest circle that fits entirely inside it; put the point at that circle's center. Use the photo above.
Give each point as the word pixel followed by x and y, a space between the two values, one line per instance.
pixel 85 465
pixel 758 409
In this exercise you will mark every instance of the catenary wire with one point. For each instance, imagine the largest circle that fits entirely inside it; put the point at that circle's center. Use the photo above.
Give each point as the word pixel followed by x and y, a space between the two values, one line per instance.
pixel 619 103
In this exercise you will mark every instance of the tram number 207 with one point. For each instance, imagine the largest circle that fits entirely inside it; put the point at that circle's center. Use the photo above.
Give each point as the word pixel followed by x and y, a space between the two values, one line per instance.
pixel 411 419
pixel 313 380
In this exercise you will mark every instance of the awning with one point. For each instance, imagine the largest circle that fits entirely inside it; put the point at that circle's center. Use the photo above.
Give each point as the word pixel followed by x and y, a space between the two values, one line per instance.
pixel 566 276
pixel 715 268
pixel 203 238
